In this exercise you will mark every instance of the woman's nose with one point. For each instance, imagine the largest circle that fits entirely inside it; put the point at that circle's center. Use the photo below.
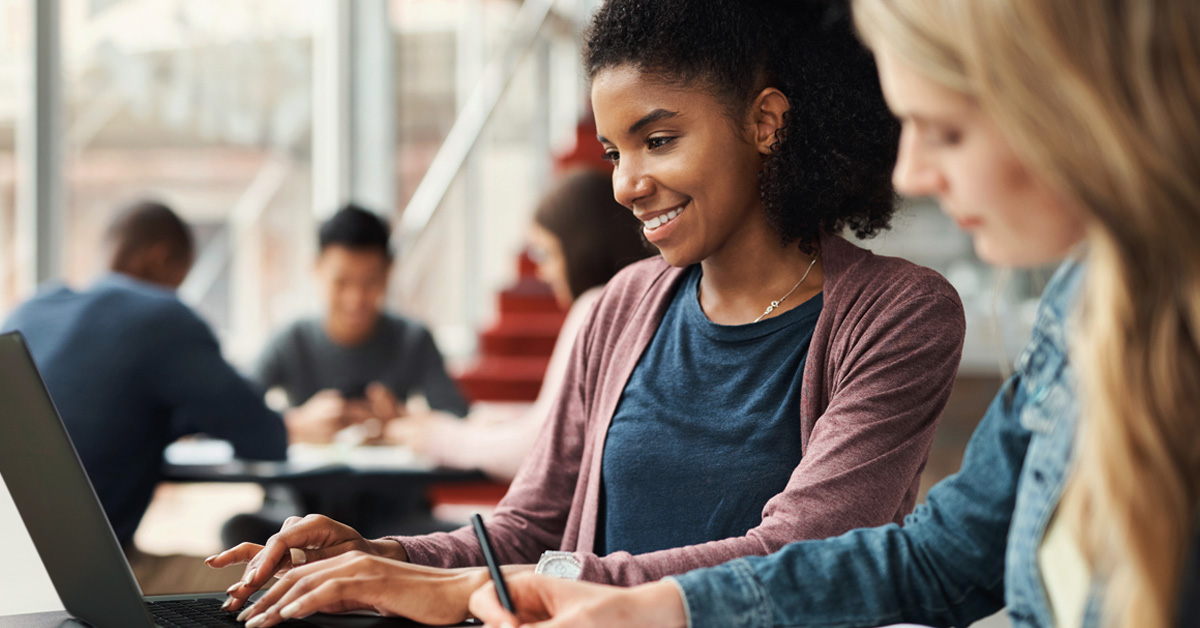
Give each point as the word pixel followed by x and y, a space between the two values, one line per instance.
pixel 913 176
pixel 631 184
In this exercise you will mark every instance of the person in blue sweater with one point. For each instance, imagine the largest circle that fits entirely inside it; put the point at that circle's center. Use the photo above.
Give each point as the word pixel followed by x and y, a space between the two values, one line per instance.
pixel 131 369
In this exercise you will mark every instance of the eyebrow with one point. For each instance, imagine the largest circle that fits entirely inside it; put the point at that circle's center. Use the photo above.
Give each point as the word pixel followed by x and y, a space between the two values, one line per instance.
pixel 650 118
pixel 928 119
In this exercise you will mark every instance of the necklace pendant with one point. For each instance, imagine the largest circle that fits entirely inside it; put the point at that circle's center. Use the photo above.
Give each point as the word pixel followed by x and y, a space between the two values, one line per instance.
pixel 775 304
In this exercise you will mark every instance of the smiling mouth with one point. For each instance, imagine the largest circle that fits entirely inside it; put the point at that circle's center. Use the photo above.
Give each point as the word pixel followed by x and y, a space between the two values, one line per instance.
pixel 662 219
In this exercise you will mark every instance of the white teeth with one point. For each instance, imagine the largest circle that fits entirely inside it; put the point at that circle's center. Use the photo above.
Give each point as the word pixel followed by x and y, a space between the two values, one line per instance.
pixel 661 219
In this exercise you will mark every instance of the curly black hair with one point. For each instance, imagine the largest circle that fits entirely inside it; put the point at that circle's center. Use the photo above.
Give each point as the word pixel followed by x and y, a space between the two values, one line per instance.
pixel 831 164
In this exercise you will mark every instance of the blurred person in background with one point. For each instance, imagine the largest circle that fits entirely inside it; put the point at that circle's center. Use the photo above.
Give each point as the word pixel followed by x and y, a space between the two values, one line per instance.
pixel 131 369
pixel 580 238
pixel 355 362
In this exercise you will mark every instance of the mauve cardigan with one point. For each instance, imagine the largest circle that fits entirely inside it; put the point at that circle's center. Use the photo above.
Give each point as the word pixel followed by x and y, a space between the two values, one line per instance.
pixel 880 368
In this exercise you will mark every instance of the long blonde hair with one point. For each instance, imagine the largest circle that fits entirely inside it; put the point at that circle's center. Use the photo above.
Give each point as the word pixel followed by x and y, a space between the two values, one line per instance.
pixel 1102 98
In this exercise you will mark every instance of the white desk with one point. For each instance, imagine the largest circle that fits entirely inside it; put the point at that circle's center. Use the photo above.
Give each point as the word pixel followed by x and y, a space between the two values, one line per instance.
pixel 303 458
pixel 24 585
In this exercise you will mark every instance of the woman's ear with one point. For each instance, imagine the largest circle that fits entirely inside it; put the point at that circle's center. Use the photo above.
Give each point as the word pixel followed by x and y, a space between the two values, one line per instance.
pixel 767 113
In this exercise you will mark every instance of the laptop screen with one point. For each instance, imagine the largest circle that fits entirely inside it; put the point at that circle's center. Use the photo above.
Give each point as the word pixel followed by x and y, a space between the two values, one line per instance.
pixel 51 491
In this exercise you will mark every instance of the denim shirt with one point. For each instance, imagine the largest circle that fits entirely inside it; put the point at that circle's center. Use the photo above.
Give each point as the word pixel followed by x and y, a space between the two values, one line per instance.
pixel 968 551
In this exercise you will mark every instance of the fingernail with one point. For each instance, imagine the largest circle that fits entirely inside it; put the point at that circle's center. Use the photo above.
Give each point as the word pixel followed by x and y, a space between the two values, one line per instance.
pixel 298 556
pixel 211 558
pixel 257 621
pixel 290 610
pixel 233 586
pixel 245 613
pixel 228 603
pixel 250 576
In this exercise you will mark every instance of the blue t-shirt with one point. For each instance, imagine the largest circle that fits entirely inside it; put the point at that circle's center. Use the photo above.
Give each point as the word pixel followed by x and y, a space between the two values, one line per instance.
pixel 131 369
pixel 707 429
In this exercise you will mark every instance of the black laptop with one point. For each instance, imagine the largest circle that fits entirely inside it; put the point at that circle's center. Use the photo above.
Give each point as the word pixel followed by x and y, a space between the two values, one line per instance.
pixel 68 527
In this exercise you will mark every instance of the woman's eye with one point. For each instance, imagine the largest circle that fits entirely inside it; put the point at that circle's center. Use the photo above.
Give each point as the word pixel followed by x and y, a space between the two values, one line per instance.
pixel 612 156
pixel 943 137
pixel 658 142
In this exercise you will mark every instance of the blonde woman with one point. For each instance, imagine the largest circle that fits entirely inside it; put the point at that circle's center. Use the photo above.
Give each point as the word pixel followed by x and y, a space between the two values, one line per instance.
pixel 1048 131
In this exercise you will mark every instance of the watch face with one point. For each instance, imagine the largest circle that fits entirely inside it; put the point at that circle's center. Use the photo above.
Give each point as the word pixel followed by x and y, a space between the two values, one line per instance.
pixel 560 567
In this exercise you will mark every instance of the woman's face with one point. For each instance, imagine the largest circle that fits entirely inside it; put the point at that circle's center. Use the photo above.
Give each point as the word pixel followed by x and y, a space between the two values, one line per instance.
pixel 952 150
pixel 546 250
pixel 680 164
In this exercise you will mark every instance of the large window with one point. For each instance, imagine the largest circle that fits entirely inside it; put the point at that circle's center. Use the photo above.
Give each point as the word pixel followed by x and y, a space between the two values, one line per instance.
pixel 444 49
pixel 15 43
pixel 205 105
pixel 212 107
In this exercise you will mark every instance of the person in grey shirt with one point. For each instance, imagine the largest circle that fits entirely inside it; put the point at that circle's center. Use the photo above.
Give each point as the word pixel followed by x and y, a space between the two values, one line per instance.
pixel 355 362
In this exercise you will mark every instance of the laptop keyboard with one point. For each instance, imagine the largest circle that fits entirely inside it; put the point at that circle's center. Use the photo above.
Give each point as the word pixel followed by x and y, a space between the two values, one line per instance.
pixel 202 613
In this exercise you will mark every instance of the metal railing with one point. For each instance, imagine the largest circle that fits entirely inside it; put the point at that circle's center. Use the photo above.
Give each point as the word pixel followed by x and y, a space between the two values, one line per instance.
pixel 470 123
pixel 250 206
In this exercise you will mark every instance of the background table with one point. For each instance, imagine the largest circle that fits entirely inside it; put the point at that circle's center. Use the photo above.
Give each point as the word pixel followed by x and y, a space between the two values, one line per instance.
pixel 376 490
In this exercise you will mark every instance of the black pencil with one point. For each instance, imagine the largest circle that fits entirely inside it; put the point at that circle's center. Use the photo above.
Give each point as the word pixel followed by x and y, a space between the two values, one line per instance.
pixel 489 555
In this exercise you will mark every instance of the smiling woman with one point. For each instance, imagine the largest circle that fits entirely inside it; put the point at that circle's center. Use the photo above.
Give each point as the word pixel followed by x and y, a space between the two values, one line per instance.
pixel 684 168
pixel 763 381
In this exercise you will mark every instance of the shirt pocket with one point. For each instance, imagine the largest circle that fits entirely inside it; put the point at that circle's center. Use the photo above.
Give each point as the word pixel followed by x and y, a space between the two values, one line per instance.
pixel 1045 374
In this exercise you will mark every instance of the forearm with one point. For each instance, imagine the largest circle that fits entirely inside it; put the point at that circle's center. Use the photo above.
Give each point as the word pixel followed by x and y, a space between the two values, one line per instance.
pixel 624 569
pixel 515 540
pixel 865 578
pixel 497 449
pixel 393 548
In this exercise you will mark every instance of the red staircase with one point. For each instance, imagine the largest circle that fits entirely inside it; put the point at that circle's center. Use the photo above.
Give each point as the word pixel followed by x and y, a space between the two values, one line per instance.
pixel 514 350
pixel 513 354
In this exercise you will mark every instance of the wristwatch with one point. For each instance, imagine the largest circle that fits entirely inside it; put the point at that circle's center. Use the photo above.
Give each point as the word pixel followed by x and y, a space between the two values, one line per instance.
pixel 562 565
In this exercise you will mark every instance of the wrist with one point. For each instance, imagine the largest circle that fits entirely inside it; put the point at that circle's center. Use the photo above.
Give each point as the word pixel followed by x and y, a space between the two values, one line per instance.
pixel 464 582
pixel 388 548
pixel 661 601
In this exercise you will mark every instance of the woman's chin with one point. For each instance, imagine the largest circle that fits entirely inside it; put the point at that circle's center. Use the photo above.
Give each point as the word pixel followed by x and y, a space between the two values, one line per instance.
pixel 676 257
pixel 1026 255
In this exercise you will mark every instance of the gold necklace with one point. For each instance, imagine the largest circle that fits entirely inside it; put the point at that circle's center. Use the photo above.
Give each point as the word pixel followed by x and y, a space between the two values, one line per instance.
pixel 775 304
